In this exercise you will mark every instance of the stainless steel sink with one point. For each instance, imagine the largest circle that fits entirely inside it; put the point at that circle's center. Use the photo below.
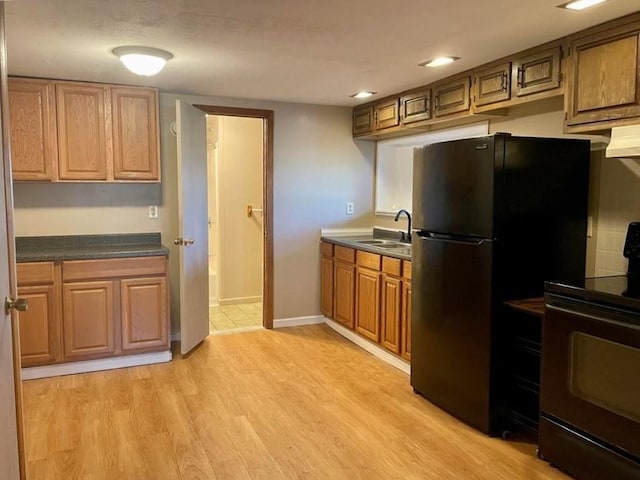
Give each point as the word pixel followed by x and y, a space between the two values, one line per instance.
pixel 371 242
pixel 395 245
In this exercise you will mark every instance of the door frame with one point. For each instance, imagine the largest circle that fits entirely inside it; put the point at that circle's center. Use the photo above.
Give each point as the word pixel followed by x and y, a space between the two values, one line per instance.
pixel 267 197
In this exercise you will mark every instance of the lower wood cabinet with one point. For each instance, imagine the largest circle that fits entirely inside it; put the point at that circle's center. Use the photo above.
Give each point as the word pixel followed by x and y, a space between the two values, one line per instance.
pixel 40 325
pixel 88 309
pixel 88 320
pixel 370 294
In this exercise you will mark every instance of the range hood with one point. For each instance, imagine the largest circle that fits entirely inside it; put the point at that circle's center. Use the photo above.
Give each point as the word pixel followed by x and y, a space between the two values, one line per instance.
pixel 625 142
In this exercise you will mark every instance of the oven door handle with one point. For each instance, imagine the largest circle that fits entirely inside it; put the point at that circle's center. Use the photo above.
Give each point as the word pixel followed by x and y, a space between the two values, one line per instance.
pixel 578 312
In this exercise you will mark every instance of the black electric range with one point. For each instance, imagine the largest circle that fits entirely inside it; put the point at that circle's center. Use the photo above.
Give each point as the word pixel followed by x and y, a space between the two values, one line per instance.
pixel 618 291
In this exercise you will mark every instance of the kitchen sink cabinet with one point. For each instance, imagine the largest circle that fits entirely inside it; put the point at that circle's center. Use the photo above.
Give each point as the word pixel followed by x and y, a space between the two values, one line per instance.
pixel 63 131
pixel 391 304
pixel 368 281
pixel 604 81
pixel 34 147
pixel 405 319
pixel 344 284
pixel 326 279
pixel 39 326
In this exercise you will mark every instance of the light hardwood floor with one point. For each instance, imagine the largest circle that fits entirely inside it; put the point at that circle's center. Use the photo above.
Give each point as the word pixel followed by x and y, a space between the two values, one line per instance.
pixel 296 403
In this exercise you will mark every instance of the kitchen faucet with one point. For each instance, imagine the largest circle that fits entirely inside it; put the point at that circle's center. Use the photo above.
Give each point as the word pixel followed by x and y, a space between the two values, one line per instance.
pixel 408 234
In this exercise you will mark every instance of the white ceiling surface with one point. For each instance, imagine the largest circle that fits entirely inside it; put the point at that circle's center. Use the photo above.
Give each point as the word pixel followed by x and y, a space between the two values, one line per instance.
pixel 307 51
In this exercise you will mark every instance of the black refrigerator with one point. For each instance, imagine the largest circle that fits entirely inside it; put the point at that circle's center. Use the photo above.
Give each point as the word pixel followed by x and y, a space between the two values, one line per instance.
pixel 494 217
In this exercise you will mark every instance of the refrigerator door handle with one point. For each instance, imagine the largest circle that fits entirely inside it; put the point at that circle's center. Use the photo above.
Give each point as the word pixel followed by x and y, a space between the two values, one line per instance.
pixel 443 238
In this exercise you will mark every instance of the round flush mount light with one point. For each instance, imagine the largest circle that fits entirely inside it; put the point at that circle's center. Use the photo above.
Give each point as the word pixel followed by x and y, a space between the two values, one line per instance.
pixel 145 61
pixel 439 61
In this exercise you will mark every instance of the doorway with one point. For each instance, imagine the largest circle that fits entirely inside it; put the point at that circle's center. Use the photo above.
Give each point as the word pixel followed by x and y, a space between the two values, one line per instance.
pixel 235 152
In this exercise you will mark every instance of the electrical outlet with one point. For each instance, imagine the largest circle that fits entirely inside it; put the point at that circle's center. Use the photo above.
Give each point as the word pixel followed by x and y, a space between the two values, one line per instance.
pixel 153 211
pixel 349 208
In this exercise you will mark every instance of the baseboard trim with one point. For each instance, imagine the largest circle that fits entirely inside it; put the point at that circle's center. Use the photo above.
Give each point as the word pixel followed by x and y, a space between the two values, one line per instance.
pixel 375 350
pixel 298 321
pixel 31 373
pixel 239 300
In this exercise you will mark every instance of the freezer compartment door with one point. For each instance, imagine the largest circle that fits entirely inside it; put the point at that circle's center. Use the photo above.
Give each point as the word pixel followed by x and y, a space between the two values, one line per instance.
pixel 451 326
pixel 453 187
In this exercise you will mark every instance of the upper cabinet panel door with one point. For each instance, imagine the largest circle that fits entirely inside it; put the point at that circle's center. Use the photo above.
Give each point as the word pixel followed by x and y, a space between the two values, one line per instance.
pixel 362 120
pixel 386 114
pixel 84 136
pixel 452 97
pixel 34 148
pixel 538 72
pixel 416 107
pixel 604 82
pixel 492 85
pixel 135 135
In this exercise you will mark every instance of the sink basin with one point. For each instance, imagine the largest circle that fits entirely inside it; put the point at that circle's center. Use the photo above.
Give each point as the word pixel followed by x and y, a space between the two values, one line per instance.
pixel 371 242
pixel 395 245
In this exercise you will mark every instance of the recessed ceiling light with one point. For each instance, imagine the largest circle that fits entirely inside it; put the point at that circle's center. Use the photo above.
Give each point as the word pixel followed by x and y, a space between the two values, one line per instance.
pixel 580 4
pixel 439 61
pixel 145 61
pixel 363 94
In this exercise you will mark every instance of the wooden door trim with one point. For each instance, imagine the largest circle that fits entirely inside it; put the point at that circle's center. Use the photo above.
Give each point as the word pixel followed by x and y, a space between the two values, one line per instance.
pixel 11 249
pixel 267 197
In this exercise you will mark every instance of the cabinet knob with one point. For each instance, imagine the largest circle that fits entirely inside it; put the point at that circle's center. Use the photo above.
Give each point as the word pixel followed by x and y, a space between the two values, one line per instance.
pixel 19 303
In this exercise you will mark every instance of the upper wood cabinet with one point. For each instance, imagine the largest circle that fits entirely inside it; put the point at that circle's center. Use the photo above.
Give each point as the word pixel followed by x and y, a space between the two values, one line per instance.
pixel 386 114
pixel 362 120
pixel 537 72
pixel 83 110
pixel 32 111
pixel 452 97
pixel 492 85
pixel 135 135
pixel 87 132
pixel 415 107
pixel 604 81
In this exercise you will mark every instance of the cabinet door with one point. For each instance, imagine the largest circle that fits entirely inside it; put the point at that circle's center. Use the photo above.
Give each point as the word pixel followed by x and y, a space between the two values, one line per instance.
pixel 386 114
pixel 604 83
pixel 83 139
pixel 416 107
pixel 135 135
pixel 143 312
pixel 39 332
pixel 326 286
pixel 34 147
pixel 452 97
pixel 88 320
pixel 537 73
pixel 362 120
pixel 344 293
pixel 368 303
pixel 405 350
pixel 492 85
pixel 391 308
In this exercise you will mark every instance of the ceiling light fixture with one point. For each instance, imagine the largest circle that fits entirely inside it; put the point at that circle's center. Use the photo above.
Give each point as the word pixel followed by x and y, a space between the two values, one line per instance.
pixel 363 94
pixel 145 61
pixel 439 61
pixel 580 4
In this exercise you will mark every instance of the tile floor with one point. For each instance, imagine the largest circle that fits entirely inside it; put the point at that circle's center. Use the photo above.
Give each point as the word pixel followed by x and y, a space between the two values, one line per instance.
pixel 231 317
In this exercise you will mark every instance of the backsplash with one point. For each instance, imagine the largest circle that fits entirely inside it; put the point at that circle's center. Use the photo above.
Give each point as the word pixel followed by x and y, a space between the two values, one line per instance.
pixel 619 205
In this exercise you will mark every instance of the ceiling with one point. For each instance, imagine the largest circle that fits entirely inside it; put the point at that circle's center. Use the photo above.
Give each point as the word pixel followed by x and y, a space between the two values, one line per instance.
pixel 306 51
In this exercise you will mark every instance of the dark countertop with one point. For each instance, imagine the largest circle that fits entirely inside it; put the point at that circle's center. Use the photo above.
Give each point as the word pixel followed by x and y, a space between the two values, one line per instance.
pixel 352 242
pixel 87 247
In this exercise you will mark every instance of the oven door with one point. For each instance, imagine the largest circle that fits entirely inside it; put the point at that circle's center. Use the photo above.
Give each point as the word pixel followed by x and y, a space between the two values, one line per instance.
pixel 590 375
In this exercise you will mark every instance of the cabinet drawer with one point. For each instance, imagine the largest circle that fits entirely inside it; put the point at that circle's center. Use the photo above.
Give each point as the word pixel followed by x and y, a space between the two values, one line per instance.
pixel 406 269
pixel 35 273
pixel 344 254
pixel 368 260
pixel 391 266
pixel 326 249
pixel 113 268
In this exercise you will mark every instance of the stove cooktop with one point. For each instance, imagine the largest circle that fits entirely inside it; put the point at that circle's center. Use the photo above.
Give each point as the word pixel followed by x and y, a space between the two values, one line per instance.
pixel 621 290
